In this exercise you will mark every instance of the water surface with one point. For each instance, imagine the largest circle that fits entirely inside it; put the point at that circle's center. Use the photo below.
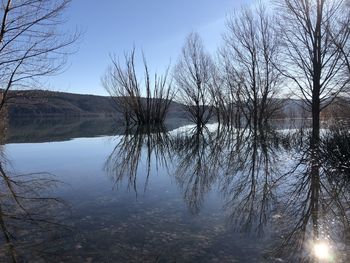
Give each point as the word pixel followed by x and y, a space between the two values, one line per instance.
pixel 182 195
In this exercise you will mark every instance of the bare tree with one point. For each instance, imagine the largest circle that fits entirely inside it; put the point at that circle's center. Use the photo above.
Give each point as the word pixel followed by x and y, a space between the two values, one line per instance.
pixel 226 96
pixel 229 93
pixel 249 56
pixel 31 45
pixel 121 82
pixel 313 36
pixel 193 75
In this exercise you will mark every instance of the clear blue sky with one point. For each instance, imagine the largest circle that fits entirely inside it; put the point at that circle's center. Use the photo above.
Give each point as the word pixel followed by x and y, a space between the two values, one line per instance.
pixel 158 27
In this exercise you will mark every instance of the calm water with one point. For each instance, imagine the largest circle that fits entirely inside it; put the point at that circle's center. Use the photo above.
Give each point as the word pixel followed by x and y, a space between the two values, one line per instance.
pixel 184 195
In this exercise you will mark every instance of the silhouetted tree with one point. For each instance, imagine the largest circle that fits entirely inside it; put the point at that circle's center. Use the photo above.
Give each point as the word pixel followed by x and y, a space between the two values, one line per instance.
pixel 313 36
pixel 194 75
pixel 121 82
pixel 249 56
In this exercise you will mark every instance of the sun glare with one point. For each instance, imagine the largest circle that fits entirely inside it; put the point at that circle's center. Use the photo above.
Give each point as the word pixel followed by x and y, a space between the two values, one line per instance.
pixel 321 250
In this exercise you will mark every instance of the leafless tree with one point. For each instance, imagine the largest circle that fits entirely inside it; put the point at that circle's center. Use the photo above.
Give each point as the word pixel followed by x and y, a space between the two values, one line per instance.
pixel 31 44
pixel 313 36
pixel 226 96
pixel 121 82
pixel 228 92
pixel 193 76
pixel 249 56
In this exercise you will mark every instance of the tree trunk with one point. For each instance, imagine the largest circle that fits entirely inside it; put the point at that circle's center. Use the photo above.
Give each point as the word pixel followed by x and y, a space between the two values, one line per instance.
pixel 317 71
pixel 315 121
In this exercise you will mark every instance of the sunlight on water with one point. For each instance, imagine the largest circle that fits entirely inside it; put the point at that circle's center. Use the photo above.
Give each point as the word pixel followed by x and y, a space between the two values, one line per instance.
pixel 322 250
pixel 148 194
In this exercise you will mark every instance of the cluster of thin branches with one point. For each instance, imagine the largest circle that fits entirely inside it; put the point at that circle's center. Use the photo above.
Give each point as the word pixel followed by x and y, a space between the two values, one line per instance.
pixel 31 43
pixel 122 83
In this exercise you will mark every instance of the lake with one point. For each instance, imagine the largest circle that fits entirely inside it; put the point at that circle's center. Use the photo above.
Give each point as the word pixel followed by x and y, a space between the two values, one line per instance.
pixel 94 192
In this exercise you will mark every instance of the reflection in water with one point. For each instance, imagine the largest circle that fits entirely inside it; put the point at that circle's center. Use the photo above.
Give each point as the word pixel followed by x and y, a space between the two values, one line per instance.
pixel 249 185
pixel 29 217
pixel 289 197
pixel 273 183
pixel 24 130
pixel 316 207
pixel 152 142
pixel 197 166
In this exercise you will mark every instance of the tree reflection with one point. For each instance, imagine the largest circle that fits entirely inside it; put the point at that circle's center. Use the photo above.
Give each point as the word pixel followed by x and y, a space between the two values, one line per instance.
pixel 139 141
pixel 29 217
pixel 250 179
pixel 198 164
pixel 280 185
pixel 315 207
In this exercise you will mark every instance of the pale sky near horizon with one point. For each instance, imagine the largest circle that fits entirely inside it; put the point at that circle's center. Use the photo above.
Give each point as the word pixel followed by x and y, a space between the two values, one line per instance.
pixel 158 27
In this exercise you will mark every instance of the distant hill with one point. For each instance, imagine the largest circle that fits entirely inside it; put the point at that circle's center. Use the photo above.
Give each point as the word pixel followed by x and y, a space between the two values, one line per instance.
pixel 51 104
pixel 48 104
pixel 38 103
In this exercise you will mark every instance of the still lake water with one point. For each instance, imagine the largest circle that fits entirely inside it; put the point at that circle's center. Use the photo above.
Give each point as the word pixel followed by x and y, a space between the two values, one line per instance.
pixel 184 195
